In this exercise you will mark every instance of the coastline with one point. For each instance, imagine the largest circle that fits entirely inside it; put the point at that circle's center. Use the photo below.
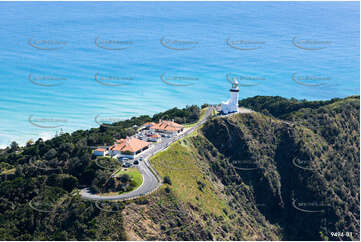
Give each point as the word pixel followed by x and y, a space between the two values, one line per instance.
pixel 48 134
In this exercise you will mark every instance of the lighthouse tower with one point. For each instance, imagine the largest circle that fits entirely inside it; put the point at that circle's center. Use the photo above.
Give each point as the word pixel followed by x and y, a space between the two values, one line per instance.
pixel 231 105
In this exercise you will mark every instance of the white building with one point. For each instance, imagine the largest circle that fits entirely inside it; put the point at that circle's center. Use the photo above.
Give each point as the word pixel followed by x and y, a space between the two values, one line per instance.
pixel 231 105
pixel 154 137
pixel 128 147
pixel 100 152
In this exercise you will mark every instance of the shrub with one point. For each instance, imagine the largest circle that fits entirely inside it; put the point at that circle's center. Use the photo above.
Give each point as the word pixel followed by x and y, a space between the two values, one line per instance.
pixel 167 180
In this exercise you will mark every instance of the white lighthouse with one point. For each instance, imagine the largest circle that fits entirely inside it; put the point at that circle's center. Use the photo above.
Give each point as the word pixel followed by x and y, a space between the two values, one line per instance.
pixel 231 105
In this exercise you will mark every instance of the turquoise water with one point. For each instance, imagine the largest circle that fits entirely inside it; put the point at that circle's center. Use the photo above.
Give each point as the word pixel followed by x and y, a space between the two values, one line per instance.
pixel 70 66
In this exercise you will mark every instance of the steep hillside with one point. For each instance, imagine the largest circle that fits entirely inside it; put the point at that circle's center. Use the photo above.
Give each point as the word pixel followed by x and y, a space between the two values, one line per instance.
pixel 289 171
pixel 306 169
pixel 195 205
pixel 295 178
pixel 39 184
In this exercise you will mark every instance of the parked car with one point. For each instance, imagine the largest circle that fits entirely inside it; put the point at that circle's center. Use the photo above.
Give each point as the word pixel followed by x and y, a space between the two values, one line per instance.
pixel 136 162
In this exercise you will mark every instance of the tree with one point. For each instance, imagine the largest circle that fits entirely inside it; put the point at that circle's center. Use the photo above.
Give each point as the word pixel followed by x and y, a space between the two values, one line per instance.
pixel 124 178
pixel 69 182
pixel 68 147
pixel 167 180
pixel 30 142
pixel 50 154
pixel 14 146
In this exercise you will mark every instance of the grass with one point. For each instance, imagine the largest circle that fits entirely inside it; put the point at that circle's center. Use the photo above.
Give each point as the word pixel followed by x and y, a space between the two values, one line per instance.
pixel 214 112
pixel 197 194
pixel 201 116
pixel 181 164
pixel 134 175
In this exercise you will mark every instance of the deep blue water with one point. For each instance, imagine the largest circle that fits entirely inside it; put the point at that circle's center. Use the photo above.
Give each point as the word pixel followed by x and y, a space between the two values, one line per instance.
pixel 73 65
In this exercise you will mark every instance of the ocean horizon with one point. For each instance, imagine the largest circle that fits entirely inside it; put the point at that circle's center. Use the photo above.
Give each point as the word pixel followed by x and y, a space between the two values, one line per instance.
pixel 73 65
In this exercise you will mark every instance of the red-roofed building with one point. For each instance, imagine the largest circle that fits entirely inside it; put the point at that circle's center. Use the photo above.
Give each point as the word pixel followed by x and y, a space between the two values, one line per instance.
pixel 168 127
pixel 128 147
pixel 154 137
pixel 100 152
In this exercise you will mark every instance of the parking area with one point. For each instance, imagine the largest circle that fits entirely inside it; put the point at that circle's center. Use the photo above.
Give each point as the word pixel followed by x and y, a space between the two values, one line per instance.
pixel 149 139
pixel 151 179
pixel 146 135
pixel 127 162
pixel 165 141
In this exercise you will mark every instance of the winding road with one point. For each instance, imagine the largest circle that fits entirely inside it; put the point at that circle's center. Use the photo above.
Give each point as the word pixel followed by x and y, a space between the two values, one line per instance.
pixel 151 179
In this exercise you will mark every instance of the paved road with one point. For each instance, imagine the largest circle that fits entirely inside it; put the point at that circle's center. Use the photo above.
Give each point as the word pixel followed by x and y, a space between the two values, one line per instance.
pixel 150 183
pixel 151 180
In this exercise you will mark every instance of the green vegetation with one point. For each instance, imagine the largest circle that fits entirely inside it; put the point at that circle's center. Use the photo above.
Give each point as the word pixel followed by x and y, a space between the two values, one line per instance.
pixel 116 180
pixel 289 171
pixel 66 163
pixel 167 180
pixel 309 155
pixel 179 163
pixel 135 176
pixel 196 201
pixel 202 113
pixel 187 115
pixel 291 174
pixel 9 171
pixel 5 167
pixel 279 106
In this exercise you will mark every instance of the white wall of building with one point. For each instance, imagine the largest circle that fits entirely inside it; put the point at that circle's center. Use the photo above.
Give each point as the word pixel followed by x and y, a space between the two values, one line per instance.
pixel 100 153
pixel 126 156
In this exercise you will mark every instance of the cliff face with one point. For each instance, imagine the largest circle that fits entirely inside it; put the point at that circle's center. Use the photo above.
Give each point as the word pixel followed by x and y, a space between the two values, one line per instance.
pixel 268 175
pixel 302 170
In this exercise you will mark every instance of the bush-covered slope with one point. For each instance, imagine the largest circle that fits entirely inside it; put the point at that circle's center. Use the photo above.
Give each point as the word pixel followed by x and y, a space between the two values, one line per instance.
pixel 306 169
pixel 254 176
pixel 290 171
pixel 193 204
pixel 38 184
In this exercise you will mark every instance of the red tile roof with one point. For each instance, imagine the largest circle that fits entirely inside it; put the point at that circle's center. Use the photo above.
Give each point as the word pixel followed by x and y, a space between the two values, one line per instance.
pixel 117 147
pixel 129 144
pixel 167 125
pixel 100 149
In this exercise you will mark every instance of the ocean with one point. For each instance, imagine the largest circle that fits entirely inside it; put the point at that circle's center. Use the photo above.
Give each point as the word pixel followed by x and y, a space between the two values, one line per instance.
pixel 72 65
